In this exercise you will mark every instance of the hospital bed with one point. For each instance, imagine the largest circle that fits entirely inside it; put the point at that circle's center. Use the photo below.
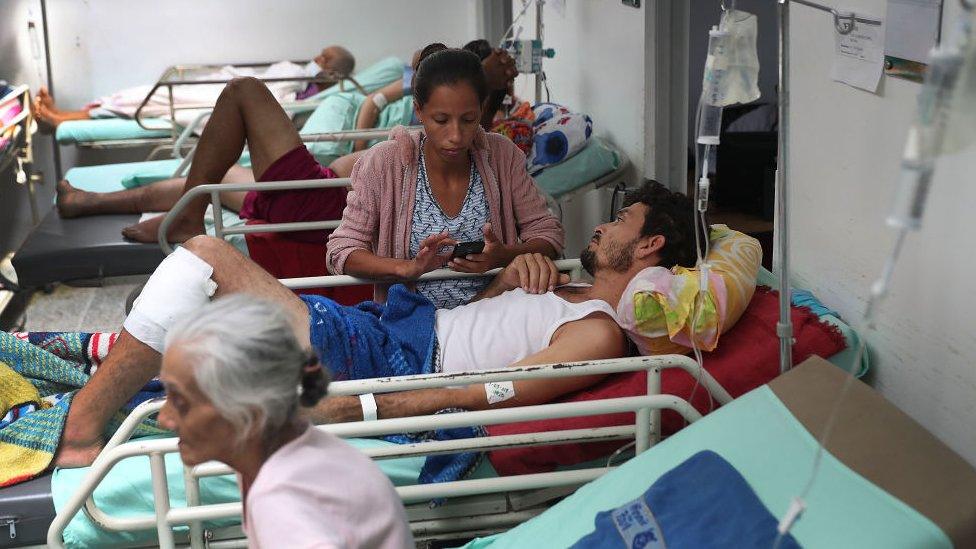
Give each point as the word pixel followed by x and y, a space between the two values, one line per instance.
pixel 884 481
pixel 481 505
pixel 65 250
pixel 164 133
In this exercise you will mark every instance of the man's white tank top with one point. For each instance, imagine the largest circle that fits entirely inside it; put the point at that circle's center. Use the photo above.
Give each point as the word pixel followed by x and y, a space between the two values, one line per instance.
pixel 497 332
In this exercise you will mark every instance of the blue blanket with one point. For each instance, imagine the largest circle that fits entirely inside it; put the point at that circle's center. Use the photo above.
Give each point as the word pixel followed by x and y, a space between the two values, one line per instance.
pixel 371 339
pixel 397 338
pixel 703 502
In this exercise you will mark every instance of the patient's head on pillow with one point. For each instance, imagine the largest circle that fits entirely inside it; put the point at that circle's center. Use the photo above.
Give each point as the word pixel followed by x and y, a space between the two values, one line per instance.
pixel 232 373
pixel 337 62
pixel 656 227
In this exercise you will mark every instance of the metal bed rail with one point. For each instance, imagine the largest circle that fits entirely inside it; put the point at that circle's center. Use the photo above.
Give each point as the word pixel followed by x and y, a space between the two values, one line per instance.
pixel 174 76
pixel 21 147
pixel 335 136
pixel 645 431
pixel 214 190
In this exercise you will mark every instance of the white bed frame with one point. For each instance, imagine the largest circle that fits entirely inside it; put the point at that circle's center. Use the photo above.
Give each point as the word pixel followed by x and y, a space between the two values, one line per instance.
pixel 175 76
pixel 645 432
pixel 474 507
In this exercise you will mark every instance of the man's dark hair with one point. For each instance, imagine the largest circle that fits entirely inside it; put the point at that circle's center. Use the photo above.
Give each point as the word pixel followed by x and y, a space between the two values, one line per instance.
pixel 671 215
pixel 439 65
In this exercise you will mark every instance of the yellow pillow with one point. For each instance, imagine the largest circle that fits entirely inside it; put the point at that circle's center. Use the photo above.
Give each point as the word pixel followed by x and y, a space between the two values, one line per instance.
pixel 656 307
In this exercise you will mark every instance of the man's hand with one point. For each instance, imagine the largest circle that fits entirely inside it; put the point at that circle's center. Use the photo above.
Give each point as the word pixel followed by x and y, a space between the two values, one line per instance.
pixel 534 273
pixel 499 69
pixel 427 258
pixel 494 255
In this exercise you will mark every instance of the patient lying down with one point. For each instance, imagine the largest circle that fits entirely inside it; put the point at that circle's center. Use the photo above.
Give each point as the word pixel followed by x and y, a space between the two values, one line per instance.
pixel 525 316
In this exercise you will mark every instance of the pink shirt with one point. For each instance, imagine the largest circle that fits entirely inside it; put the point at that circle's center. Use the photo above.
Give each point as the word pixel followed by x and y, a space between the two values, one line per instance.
pixel 317 491
pixel 379 210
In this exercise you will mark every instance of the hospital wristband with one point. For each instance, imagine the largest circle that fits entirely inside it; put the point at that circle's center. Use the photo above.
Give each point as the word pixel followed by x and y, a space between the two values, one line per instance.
pixel 368 402
pixel 379 100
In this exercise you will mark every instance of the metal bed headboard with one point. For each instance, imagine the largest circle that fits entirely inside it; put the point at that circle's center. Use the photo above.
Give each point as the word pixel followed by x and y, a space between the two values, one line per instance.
pixel 21 149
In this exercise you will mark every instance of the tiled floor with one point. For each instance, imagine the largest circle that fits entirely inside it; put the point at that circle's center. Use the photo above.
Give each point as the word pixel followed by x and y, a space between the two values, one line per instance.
pixel 67 308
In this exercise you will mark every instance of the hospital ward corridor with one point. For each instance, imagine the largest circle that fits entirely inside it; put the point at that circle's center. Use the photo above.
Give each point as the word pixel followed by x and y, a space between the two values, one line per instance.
pixel 487 274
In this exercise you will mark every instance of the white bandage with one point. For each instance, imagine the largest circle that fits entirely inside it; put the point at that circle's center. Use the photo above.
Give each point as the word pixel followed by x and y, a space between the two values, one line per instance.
pixel 499 391
pixel 380 100
pixel 368 402
pixel 180 285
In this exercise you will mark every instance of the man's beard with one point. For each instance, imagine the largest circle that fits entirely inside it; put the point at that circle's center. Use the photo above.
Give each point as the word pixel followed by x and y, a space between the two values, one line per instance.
pixel 619 258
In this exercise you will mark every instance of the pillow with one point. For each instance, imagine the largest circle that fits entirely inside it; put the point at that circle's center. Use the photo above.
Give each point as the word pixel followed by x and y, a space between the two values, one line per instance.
pixel 383 72
pixel 747 357
pixel 656 308
pixel 559 134
pixel 339 111
pixel 598 158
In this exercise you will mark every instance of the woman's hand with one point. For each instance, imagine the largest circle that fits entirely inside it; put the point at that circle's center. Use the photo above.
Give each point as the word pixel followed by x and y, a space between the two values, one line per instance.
pixel 494 255
pixel 427 258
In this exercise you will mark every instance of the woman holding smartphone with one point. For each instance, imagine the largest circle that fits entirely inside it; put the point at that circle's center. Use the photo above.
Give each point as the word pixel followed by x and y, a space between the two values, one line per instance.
pixel 421 193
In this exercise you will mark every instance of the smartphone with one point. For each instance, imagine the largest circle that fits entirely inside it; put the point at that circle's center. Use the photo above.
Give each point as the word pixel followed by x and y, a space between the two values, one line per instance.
pixel 462 249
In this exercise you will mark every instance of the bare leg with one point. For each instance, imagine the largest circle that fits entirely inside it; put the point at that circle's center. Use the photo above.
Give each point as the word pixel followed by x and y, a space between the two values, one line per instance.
pixel 246 112
pixel 234 273
pixel 131 363
pixel 156 197
pixel 52 118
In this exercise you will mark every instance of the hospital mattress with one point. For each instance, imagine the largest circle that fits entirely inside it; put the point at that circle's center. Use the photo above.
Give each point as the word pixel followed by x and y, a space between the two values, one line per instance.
pixel 109 129
pixel 64 250
pixel 884 482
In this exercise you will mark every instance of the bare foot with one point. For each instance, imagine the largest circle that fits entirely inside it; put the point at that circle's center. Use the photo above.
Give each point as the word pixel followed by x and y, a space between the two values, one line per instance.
pixel 49 119
pixel 72 202
pixel 44 97
pixel 148 230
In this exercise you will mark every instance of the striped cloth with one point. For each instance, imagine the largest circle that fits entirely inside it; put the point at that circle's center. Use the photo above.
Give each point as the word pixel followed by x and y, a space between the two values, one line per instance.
pixel 429 219
pixel 39 374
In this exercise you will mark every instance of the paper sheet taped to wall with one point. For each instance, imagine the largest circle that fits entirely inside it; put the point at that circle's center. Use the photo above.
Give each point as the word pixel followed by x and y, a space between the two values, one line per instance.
pixel 859 54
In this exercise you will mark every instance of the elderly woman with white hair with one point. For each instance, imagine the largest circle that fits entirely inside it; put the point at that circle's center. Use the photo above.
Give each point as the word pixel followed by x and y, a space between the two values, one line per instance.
pixel 232 374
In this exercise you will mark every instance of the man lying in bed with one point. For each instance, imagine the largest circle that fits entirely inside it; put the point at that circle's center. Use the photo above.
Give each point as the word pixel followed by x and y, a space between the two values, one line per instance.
pixel 333 64
pixel 525 316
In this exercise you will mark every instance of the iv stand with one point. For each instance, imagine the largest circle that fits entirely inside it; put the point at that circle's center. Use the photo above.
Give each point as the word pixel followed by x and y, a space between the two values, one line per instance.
pixel 784 328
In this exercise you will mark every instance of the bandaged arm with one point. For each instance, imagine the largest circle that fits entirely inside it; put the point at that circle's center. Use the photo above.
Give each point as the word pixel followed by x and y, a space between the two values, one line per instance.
pixel 593 338
pixel 369 111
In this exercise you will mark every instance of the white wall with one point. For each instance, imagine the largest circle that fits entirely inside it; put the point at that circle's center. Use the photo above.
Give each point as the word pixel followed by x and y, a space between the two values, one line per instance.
pixel 102 45
pixel 845 150
pixel 598 70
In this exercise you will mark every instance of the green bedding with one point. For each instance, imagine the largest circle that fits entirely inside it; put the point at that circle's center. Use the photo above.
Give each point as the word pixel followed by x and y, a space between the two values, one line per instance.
pixel 108 129
pixel 110 177
pixel 758 435
pixel 127 491
pixel 598 158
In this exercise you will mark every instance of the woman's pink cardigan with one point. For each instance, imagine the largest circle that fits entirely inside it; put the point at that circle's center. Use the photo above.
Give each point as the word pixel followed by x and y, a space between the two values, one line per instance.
pixel 379 208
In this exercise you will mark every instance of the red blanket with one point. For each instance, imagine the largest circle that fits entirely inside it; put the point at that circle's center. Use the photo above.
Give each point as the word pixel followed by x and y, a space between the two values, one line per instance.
pixel 287 258
pixel 747 357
